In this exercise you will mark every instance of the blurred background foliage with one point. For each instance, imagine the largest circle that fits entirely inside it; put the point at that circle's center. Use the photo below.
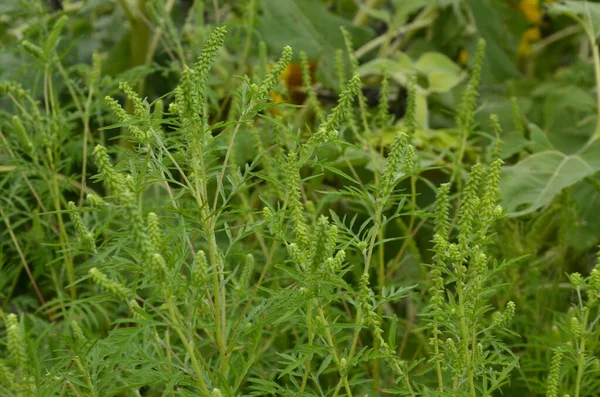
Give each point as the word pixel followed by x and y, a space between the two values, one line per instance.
pixel 538 78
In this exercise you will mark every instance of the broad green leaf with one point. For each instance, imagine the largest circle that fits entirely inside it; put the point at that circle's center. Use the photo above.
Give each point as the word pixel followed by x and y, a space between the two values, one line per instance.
pixel 306 26
pixel 533 182
pixel 398 69
pixel 512 143
pixel 377 14
pixel 584 12
pixel 442 73
pixel 587 197
pixel 539 140
pixel 404 8
pixel 569 117
pixel 498 40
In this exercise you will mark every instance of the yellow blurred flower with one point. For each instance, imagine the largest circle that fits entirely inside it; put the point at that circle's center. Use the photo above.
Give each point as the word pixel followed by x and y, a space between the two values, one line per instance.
pixel 463 56
pixel 532 11
pixel 529 37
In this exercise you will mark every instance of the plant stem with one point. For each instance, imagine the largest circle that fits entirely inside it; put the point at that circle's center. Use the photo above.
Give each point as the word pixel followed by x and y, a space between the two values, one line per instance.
pixel 362 18
pixel 464 337
pixel 188 347
pixel 581 352
pixel 596 56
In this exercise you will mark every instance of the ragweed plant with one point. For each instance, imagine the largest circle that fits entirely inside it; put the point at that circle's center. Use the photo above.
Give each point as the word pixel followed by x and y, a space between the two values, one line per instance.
pixel 573 360
pixel 237 245
pixel 469 357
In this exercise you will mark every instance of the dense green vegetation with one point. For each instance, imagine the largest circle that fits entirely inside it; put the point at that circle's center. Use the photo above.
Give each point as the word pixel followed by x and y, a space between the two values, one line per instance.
pixel 299 198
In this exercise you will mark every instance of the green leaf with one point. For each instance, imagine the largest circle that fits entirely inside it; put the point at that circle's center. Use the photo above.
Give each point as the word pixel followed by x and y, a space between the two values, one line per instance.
pixel 569 117
pixel 399 69
pixel 441 72
pixel 422 115
pixel 533 182
pixel 587 197
pixel 487 17
pixel 307 26
pixel 539 140
pixel 587 14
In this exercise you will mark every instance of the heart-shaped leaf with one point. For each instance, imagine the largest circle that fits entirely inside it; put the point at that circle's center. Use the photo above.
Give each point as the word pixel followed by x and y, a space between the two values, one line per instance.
pixel 442 73
pixel 533 182
pixel 398 69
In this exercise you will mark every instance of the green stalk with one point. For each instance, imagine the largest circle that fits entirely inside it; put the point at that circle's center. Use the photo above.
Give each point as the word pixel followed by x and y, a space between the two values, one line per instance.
pixel 464 339
pixel 54 188
pixel 362 18
pixel 581 352
pixel 188 347
pixel 200 196
pixel 596 56
pixel 310 342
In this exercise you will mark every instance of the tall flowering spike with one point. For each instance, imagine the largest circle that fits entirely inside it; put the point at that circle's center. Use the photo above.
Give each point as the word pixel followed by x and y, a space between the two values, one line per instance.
pixel 199 270
pixel 411 161
pixel 594 283
pixel 469 207
pixel 410 119
pixel 487 205
pixel 77 332
pixel 136 310
pixel 319 245
pixel 273 221
pixel 468 103
pixel 350 50
pixel 83 235
pixel 372 319
pixel 273 75
pixel 16 342
pixel 34 50
pixel 294 202
pixel 517 117
pixel 139 109
pixel 575 327
pixel 13 88
pixel 442 204
pixel 113 179
pixel 23 137
pixel 187 102
pixel 124 117
pixel 158 267
pixel 246 272
pixel 504 318
pixel 553 382
pixel 497 133
pixel 7 378
pixel 96 70
pixel 95 201
pixel 383 113
pixel 111 286
pixel 332 236
pixel 333 265
pixel 154 231
pixel 340 69
pixel 327 131
pixel 207 58
pixel 54 35
pixel 139 232
pixel 362 101
pixel 393 165
pixel 308 86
